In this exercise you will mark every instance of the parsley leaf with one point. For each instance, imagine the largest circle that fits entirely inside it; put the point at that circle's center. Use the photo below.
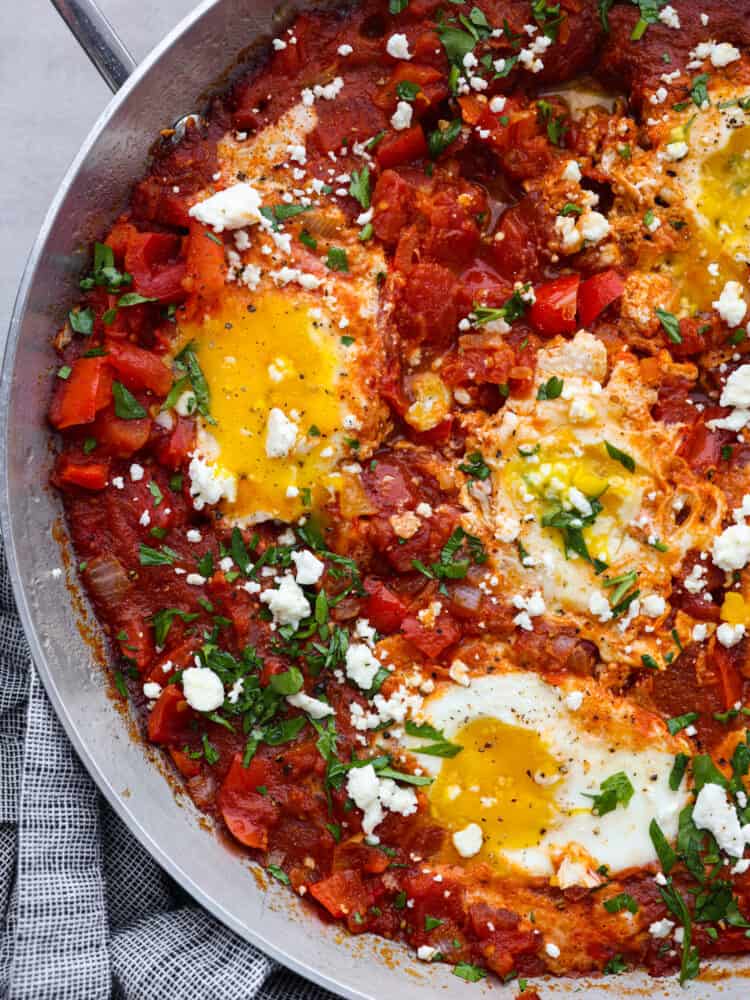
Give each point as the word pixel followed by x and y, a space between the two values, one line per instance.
pixel 620 456
pixel 615 790
pixel 670 324
pixel 127 406
pixel 550 389
pixel 359 187
pixel 439 140
pixel 475 466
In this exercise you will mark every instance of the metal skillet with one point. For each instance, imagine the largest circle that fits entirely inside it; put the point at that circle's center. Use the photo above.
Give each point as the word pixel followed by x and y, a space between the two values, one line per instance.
pixel 158 93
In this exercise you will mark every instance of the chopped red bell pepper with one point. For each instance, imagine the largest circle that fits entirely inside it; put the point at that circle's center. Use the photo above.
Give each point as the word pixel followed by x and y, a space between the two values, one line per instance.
pixel 596 293
pixel 554 308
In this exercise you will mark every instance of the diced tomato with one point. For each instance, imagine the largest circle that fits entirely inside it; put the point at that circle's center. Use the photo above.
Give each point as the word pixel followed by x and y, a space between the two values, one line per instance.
pixel 728 664
pixel 432 641
pixel 341 894
pixel 151 258
pixel 700 446
pixel 383 609
pixel 401 147
pixel 87 475
pixel 454 235
pixel 248 814
pixel 206 266
pixel 78 398
pixel 393 206
pixel 515 246
pixel 432 84
pixel 187 767
pixel 427 310
pixel 120 437
pixel 136 642
pixel 176 448
pixel 596 293
pixel 119 237
pixel 694 334
pixel 170 718
pixel 137 368
pixel 554 308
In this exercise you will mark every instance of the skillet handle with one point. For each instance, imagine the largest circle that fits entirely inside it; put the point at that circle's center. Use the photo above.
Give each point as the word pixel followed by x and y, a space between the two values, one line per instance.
pixel 98 39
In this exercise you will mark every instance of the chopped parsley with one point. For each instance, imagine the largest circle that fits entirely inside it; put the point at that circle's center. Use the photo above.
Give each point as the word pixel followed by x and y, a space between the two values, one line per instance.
pixel 615 790
pixel 475 466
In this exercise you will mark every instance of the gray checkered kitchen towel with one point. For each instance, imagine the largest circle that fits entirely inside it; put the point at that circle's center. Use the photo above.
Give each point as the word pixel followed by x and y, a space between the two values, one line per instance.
pixel 87 914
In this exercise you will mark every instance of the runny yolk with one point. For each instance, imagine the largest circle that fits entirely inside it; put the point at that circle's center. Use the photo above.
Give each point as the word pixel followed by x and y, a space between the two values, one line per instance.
pixel 725 193
pixel 549 475
pixel 503 779
pixel 722 207
pixel 257 356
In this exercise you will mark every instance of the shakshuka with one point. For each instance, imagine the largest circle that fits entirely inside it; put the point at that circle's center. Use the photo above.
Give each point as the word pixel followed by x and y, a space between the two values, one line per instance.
pixel 403 434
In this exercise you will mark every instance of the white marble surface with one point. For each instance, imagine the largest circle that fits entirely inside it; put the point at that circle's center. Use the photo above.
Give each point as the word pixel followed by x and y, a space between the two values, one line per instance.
pixel 50 95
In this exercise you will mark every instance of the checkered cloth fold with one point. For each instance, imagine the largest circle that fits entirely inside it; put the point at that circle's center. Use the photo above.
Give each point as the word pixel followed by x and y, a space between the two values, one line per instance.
pixel 87 913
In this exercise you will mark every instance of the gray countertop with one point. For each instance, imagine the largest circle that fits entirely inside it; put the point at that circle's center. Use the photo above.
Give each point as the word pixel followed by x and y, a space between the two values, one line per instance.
pixel 50 96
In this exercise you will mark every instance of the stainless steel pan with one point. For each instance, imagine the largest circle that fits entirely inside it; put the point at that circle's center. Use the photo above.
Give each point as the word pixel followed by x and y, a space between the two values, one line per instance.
pixel 169 84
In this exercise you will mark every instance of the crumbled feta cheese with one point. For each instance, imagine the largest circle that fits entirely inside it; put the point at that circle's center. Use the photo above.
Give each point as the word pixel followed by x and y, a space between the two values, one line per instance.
pixel 653 605
pixel 280 435
pixel 593 227
pixel 459 673
pixel 203 689
pixel 401 118
pixel 669 16
pixel 468 841
pixel 145 519
pixel 497 104
pixel 309 568
pixel 714 812
pixel 208 483
pixel 287 603
pixel 151 690
pixel 723 53
pixel 730 305
pixel 315 708
pixel 731 549
pixel 137 472
pixel 425 953
pixel 345 50
pixel 373 795
pixel 398 47
pixel 699 632
pixel 661 928
pixel 194 536
pixel 552 950
pixel 361 665
pixel 233 208
pixel 572 172
pixel 729 635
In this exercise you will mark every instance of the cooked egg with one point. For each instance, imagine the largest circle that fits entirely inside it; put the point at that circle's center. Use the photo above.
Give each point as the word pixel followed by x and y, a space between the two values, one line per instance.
pixel 288 351
pixel 581 496
pixel 533 755
pixel 711 183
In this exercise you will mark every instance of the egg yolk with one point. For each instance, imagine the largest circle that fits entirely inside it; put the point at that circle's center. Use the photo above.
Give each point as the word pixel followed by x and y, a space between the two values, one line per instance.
pixel 551 473
pixel 504 779
pixel 735 610
pixel 723 239
pixel 725 193
pixel 256 356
